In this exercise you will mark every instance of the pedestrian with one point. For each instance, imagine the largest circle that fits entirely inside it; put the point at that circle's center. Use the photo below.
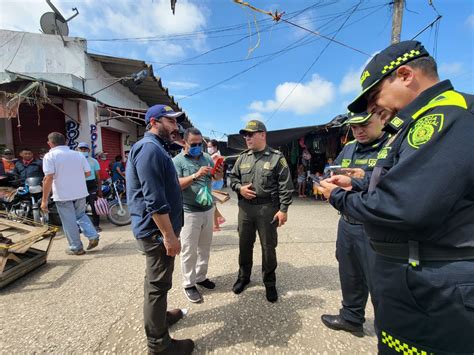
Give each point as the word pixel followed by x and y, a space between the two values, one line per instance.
pixel 156 208
pixel 353 252
pixel 8 160
pixel 301 180
pixel 104 164
pixel 27 166
pixel 419 210
pixel 262 180
pixel 65 174
pixel 217 184
pixel 118 169
pixel 94 185
pixel 41 153
pixel 194 173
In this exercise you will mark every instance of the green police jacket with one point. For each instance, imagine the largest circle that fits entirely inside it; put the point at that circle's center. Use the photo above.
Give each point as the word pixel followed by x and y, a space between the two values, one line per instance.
pixel 269 174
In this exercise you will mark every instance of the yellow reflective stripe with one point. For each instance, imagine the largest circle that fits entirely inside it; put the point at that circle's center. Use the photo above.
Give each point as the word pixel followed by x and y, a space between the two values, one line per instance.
pixel 447 98
pixel 400 60
pixel 400 346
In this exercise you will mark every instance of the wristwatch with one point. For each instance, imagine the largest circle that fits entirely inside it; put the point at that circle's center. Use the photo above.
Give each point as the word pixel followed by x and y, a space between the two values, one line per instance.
pixel 194 177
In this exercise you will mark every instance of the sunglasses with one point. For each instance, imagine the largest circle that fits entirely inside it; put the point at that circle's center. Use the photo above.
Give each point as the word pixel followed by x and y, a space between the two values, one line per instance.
pixel 249 134
pixel 194 145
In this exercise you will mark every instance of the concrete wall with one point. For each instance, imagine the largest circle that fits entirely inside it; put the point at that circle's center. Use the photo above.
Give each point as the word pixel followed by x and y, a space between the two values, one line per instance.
pixel 45 56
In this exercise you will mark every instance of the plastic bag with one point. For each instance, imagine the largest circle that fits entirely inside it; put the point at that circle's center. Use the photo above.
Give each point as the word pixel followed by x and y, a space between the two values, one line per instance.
pixel 204 196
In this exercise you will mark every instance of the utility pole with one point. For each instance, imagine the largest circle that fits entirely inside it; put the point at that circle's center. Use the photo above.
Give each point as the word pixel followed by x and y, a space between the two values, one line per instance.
pixel 397 20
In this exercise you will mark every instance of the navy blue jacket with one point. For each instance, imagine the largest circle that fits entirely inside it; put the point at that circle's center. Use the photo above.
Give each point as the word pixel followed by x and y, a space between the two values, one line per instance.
pixel 152 187
pixel 427 193
pixel 34 169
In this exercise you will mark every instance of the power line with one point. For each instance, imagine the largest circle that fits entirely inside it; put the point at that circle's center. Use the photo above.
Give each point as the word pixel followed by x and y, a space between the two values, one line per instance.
pixel 314 62
pixel 16 52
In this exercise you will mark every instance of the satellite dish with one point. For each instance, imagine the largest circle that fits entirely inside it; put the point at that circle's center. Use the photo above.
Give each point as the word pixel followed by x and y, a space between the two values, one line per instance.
pixel 51 24
pixel 54 23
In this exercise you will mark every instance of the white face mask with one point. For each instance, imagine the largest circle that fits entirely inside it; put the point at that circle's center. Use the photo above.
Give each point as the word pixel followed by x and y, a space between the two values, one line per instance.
pixel 211 150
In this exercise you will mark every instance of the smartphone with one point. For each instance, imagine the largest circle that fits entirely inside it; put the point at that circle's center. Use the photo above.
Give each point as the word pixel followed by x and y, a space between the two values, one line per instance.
pixel 218 163
pixel 316 182
pixel 274 222
pixel 336 169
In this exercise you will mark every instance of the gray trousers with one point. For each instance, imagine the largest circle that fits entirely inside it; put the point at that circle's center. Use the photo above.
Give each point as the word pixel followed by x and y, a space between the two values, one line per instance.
pixel 253 218
pixel 158 277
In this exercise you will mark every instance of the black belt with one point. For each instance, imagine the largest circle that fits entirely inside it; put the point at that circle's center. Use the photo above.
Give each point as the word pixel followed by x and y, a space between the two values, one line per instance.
pixel 414 252
pixel 259 200
pixel 350 220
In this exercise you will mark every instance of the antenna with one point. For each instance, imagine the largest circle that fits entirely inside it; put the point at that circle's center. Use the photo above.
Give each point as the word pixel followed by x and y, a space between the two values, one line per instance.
pixel 54 23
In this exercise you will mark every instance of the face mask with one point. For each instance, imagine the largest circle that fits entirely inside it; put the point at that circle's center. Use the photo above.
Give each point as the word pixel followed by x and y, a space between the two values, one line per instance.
pixel 86 154
pixel 211 150
pixel 195 151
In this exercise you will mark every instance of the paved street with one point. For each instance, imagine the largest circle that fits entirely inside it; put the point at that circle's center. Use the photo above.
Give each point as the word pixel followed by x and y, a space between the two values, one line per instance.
pixel 93 303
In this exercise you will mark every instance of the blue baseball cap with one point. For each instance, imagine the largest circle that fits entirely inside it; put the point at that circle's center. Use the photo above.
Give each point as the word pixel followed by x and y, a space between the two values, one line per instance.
pixel 158 111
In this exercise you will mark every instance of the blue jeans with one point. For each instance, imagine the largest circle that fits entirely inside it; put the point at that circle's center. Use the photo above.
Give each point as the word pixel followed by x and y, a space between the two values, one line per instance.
pixel 73 214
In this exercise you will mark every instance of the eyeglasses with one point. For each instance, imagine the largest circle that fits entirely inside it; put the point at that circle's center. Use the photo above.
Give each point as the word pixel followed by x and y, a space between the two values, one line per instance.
pixel 194 145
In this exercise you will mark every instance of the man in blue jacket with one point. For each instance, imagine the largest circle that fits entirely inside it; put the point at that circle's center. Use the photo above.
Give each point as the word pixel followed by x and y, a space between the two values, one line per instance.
pixel 156 208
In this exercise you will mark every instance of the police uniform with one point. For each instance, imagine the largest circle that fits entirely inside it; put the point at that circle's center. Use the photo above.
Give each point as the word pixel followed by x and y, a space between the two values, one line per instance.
pixel 419 216
pixel 353 252
pixel 271 180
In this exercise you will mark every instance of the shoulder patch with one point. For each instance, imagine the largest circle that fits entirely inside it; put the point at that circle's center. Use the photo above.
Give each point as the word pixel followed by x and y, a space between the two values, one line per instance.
pixel 283 162
pixel 424 129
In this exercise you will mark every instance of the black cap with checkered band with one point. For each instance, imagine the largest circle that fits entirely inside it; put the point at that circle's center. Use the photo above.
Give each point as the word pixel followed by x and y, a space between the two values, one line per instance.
pixel 382 65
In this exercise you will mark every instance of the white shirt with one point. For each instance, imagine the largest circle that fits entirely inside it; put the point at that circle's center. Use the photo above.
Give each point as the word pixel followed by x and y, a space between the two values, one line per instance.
pixel 69 168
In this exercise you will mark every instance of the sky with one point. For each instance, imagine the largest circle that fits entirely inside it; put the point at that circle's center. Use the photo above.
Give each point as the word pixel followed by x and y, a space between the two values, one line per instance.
pixel 226 64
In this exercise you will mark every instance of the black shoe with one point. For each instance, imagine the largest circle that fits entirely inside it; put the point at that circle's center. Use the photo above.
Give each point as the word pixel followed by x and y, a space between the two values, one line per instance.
pixel 271 293
pixel 207 284
pixel 179 347
pixel 339 323
pixel 193 294
pixel 239 286
pixel 173 316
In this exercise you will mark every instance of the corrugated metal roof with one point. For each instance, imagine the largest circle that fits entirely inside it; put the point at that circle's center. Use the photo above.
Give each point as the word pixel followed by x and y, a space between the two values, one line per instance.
pixel 150 90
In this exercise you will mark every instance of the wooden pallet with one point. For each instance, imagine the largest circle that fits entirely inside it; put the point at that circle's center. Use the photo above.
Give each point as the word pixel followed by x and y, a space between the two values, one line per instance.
pixel 21 257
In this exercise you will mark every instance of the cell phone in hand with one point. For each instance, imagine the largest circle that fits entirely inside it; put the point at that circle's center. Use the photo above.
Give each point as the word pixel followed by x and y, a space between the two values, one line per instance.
pixel 274 222
pixel 336 169
pixel 317 182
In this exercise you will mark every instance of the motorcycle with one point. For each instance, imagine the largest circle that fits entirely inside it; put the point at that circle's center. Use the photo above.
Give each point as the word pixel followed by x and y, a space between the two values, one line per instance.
pixel 114 193
pixel 24 203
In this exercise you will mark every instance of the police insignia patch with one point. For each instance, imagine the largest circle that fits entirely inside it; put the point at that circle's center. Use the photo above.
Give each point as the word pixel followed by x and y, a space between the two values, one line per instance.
pixel 372 163
pixel 396 122
pixel 266 166
pixel 346 162
pixel 283 162
pixel 383 154
pixel 424 129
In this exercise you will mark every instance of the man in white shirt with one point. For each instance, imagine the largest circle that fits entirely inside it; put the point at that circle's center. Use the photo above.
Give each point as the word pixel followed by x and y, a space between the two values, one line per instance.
pixel 65 173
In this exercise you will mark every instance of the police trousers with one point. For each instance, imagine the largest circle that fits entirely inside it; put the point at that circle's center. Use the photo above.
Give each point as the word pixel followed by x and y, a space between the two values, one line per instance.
pixel 158 277
pixel 356 264
pixel 253 218
pixel 425 309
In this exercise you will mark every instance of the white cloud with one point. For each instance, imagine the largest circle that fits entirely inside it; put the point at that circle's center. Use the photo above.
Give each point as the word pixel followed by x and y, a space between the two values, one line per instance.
pixel 116 19
pixel 350 82
pixel 470 21
pixel 449 69
pixel 252 116
pixel 306 98
pixel 181 85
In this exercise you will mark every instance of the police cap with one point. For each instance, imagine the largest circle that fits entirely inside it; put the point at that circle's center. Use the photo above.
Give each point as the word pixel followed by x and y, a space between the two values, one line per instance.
pixel 254 126
pixel 382 65
pixel 358 118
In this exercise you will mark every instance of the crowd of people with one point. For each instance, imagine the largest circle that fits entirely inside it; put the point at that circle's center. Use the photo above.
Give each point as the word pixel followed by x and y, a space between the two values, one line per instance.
pixel 410 250
pixel 397 240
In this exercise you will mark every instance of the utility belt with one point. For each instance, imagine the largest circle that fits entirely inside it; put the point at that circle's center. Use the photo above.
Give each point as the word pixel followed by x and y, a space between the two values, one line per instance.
pixel 414 252
pixel 350 220
pixel 258 201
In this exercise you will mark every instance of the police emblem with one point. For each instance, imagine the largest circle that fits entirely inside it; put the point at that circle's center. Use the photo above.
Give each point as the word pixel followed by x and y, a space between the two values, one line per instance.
pixel 266 166
pixel 424 129
pixel 372 163
pixel 346 162
pixel 383 154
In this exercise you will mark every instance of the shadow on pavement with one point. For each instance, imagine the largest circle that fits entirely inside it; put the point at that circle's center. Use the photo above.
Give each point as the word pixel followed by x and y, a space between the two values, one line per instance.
pixel 261 323
pixel 289 278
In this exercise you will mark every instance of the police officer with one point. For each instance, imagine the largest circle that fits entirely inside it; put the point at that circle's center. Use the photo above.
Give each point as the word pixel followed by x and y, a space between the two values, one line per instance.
pixel 353 252
pixel 419 215
pixel 262 180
